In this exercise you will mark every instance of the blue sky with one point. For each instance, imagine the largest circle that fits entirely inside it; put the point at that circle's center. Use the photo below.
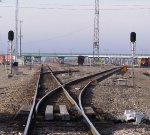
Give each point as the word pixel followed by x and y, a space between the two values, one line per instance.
pixel 67 25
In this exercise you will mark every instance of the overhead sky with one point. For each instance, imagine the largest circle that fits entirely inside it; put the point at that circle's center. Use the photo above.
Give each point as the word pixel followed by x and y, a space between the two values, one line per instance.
pixel 67 26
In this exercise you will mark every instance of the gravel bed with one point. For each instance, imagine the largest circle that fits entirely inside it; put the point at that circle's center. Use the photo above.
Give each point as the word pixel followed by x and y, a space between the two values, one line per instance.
pixel 107 96
pixel 15 92
pixel 113 99
pixel 51 132
pixel 83 71
pixel 18 90
pixel 48 83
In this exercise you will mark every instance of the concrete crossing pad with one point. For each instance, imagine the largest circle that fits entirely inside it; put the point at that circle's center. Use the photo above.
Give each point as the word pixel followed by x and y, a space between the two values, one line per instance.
pixel 49 112
pixel 64 112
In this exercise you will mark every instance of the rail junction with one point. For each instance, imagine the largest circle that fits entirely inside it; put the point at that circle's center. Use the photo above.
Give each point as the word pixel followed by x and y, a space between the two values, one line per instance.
pixel 72 99
pixel 59 108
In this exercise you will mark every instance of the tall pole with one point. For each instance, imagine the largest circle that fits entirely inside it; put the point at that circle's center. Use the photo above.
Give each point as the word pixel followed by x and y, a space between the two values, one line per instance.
pixel 133 45
pixel 10 57
pixel 10 38
pixel 16 22
pixel 20 36
pixel 96 33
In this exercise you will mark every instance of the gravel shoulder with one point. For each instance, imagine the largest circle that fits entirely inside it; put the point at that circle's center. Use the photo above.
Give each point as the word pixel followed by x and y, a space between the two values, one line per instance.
pixel 17 91
pixel 113 99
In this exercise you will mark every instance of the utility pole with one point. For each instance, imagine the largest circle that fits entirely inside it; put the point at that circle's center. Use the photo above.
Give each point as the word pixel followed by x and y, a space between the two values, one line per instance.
pixel 20 36
pixel 16 31
pixel 96 33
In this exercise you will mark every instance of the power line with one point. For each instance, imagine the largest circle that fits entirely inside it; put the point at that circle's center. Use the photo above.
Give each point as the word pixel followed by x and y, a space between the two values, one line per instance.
pixel 62 36
pixel 88 9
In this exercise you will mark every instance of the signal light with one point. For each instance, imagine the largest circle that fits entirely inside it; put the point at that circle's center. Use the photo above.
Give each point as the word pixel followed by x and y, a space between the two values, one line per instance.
pixel 133 37
pixel 10 35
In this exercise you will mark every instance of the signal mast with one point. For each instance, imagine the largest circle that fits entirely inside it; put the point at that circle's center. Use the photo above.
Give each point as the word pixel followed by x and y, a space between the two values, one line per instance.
pixel 16 31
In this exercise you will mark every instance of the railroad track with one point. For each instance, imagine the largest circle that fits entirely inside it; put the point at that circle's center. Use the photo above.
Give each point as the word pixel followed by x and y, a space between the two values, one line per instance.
pixel 67 96
pixel 99 119
pixel 57 97
pixel 75 87
pixel 11 126
pixel 58 122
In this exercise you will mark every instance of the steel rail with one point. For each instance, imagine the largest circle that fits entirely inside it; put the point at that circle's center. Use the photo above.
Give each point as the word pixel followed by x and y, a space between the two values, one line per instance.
pixel 41 101
pixel 92 128
pixel 31 114
pixel 67 94
pixel 62 72
pixel 35 106
pixel 88 76
pixel 87 120
pixel 34 109
pixel 89 123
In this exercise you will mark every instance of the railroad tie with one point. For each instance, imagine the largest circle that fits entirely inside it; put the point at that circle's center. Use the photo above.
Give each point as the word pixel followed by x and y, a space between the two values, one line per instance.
pixel 64 112
pixel 89 111
pixel 49 112
pixel 24 111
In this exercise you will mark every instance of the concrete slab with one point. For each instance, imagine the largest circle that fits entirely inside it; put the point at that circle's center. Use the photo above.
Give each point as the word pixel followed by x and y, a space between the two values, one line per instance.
pixel 64 112
pixel 49 112
pixel 122 82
